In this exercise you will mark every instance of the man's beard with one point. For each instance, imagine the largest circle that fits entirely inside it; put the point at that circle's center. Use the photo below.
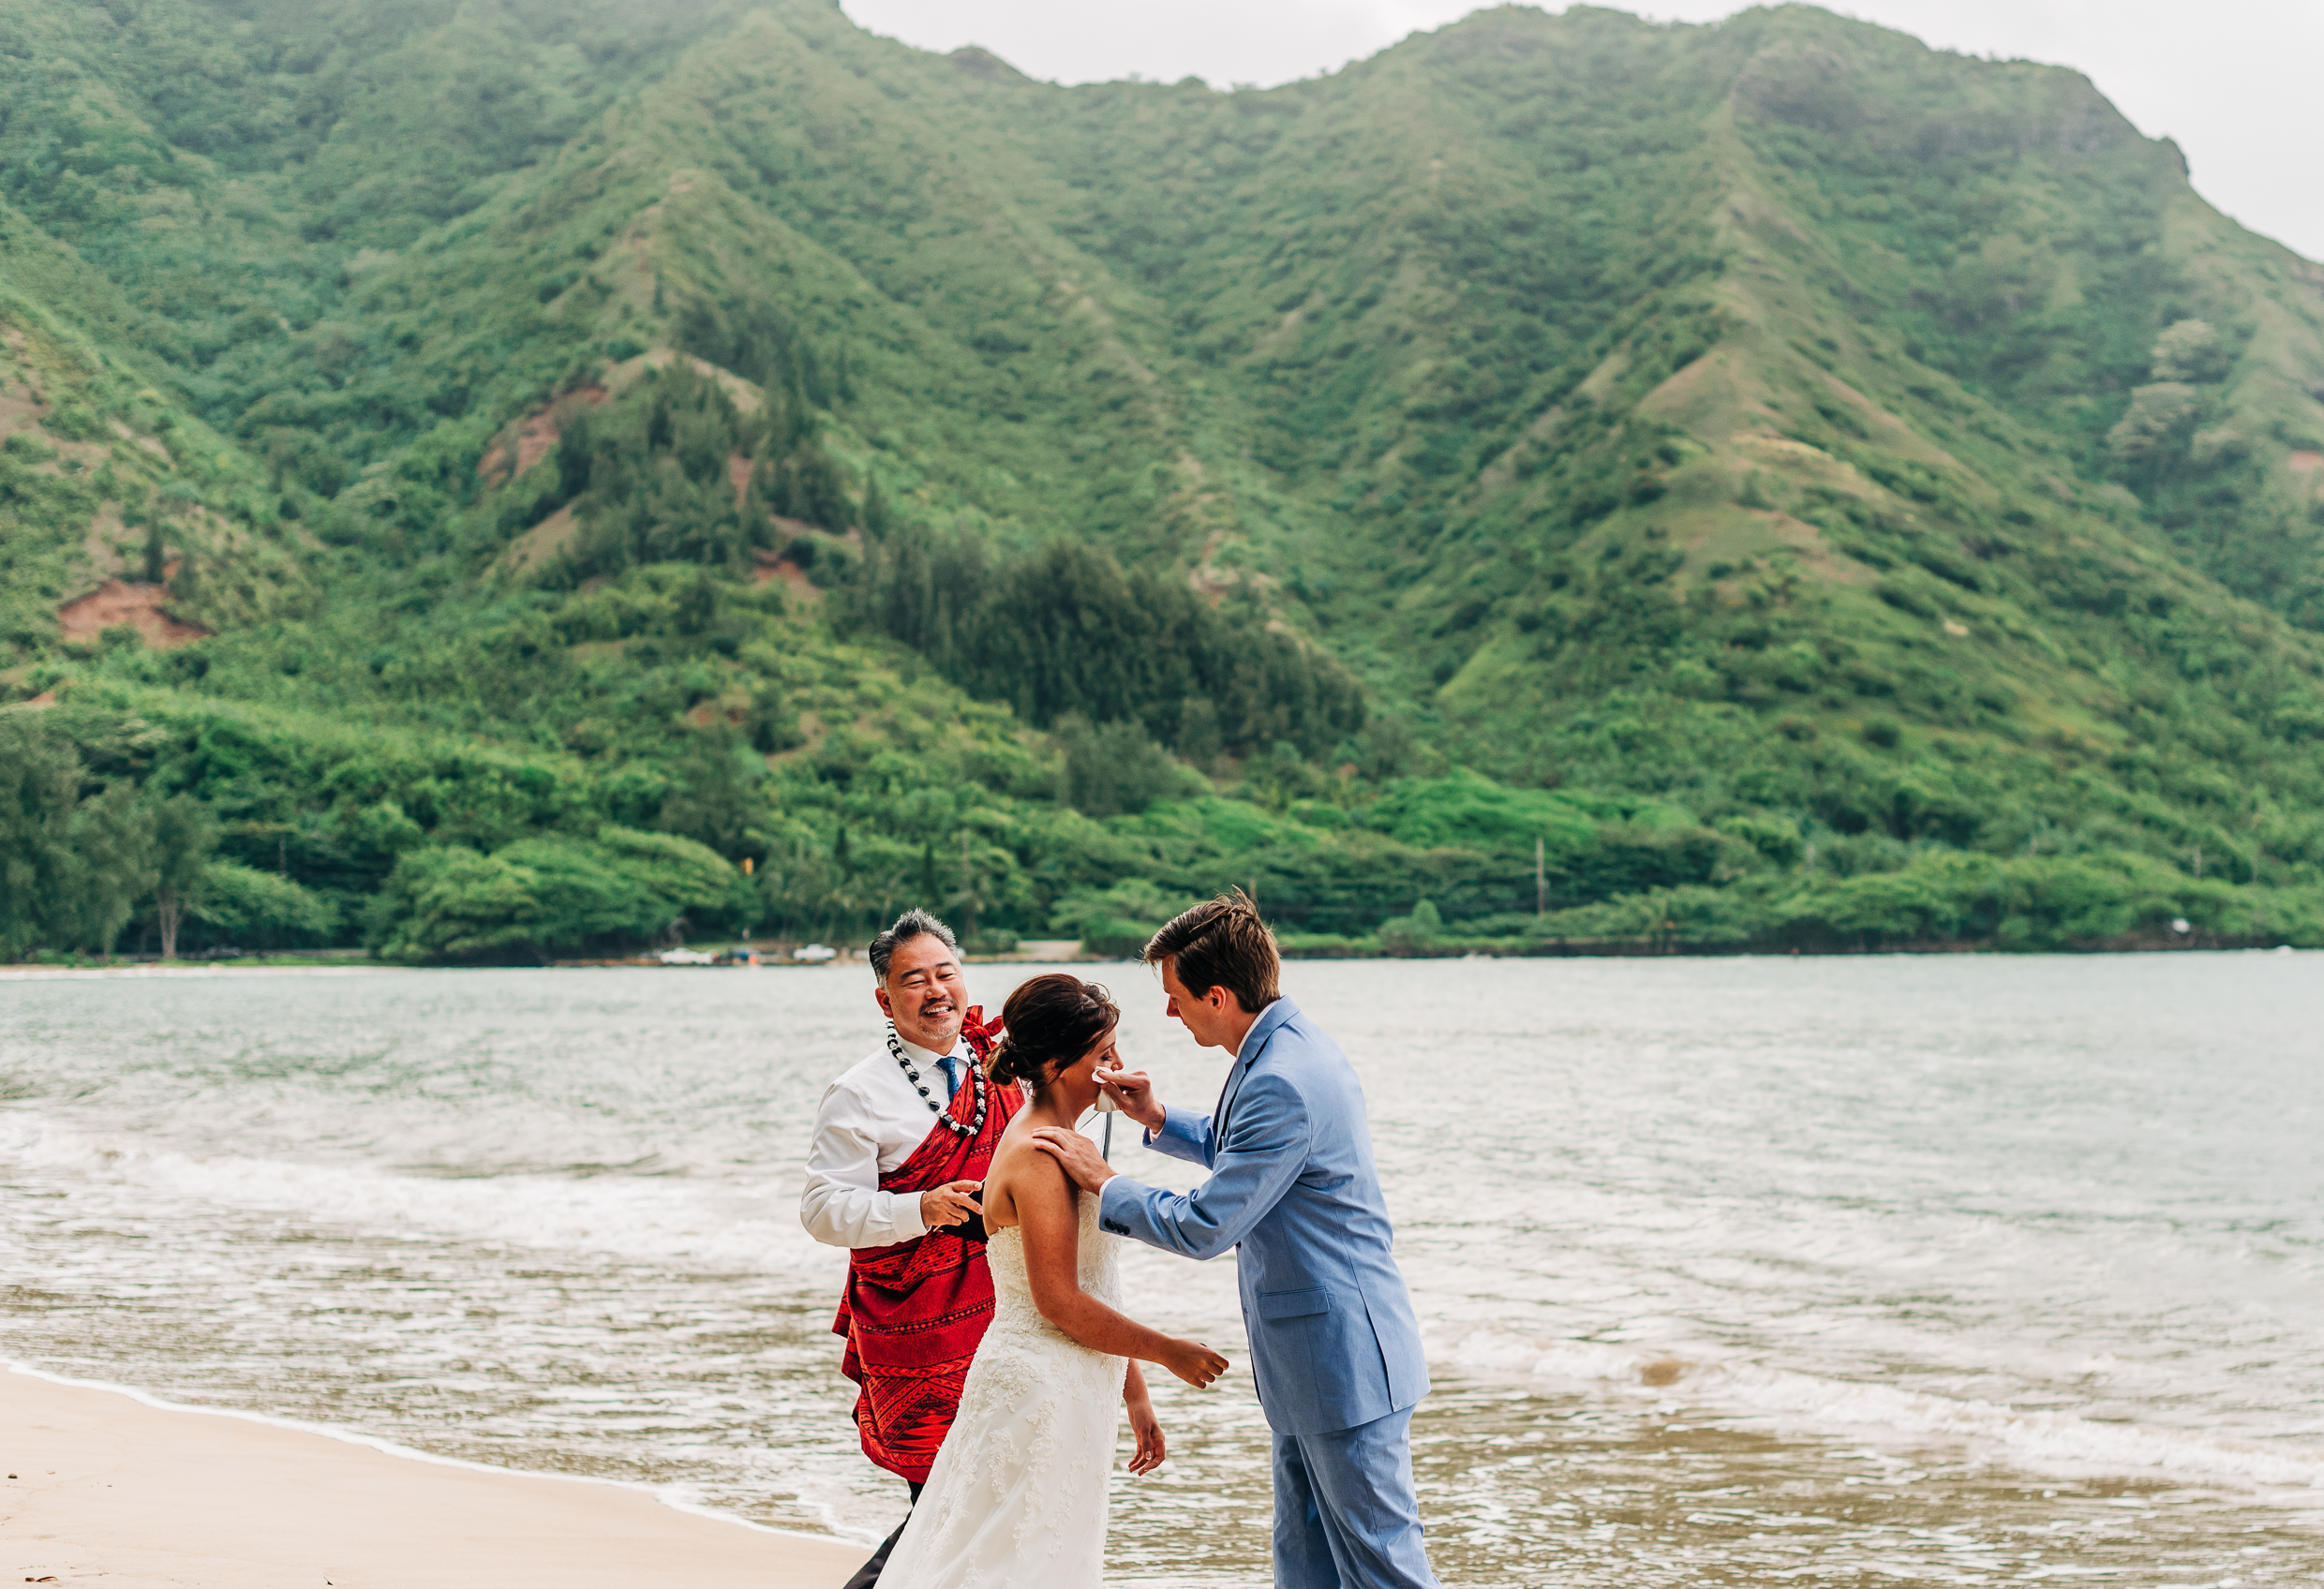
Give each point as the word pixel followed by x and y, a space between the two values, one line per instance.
pixel 936 1032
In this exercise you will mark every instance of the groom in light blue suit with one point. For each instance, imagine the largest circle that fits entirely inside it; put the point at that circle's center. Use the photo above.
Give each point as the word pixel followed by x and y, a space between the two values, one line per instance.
pixel 1335 1347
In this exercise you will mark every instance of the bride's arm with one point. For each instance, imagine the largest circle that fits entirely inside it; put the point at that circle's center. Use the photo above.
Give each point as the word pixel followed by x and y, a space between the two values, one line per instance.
pixel 1052 1237
pixel 1143 1424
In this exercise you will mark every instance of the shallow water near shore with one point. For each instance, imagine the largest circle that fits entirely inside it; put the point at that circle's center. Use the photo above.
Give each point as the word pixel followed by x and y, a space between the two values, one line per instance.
pixel 1961 1271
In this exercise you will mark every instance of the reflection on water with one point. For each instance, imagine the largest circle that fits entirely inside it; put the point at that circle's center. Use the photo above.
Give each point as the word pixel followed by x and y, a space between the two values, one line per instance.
pixel 1945 1272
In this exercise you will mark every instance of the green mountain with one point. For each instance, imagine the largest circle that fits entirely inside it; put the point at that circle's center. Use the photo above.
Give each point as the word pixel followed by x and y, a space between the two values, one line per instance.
pixel 1764 484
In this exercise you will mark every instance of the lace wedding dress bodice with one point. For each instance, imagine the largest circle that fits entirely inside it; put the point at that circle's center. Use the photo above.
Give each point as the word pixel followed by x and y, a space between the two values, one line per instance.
pixel 1015 1315
pixel 1017 1498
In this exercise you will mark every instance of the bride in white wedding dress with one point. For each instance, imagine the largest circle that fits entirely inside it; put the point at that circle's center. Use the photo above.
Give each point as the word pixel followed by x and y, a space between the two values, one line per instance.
pixel 1017 1498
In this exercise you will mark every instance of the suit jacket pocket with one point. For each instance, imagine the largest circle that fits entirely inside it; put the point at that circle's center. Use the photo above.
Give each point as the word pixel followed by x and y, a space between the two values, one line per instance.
pixel 1293 1304
pixel 1320 1362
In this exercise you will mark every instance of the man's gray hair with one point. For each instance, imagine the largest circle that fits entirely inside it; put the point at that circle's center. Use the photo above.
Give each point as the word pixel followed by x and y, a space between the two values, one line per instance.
pixel 912 924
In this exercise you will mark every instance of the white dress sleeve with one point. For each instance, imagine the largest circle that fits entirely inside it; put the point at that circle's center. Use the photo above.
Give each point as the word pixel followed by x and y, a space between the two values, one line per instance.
pixel 840 1203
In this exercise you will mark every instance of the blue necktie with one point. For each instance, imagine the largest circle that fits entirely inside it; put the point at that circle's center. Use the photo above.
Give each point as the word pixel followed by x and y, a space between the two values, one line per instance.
pixel 952 1079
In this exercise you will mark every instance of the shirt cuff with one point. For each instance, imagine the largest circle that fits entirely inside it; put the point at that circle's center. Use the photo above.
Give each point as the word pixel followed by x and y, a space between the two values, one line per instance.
pixel 1111 1182
pixel 904 1216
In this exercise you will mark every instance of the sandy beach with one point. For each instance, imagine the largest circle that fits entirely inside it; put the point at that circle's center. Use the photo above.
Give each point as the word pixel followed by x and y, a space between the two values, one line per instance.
pixel 101 1488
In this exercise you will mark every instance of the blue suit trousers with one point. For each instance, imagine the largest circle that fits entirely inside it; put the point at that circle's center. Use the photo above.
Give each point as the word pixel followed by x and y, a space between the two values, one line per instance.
pixel 1346 1515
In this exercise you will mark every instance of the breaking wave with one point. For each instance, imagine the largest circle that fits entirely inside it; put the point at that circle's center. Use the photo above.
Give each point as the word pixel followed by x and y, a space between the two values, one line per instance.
pixel 660 1219
pixel 2029 1437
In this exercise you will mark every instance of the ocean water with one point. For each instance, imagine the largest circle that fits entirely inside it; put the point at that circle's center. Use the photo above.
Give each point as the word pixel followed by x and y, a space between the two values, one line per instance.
pixel 1900 1271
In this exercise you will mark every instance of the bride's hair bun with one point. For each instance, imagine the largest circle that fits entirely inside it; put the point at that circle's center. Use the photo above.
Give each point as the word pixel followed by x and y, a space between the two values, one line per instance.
pixel 1000 1064
pixel 1049 1020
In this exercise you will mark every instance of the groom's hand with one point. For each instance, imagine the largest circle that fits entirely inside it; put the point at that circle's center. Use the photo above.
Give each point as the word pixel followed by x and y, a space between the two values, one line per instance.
pixel 948 1204
pixel 1134 1091
pixel 1083 1163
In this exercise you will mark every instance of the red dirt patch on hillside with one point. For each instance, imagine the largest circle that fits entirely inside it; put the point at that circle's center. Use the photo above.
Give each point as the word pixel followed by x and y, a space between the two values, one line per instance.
pixel 116 603
pixel 536 435
pixel 773 566
pixel 543 541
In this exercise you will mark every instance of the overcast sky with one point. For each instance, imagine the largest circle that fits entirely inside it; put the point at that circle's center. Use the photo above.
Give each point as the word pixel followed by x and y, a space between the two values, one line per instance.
pixel 2236 82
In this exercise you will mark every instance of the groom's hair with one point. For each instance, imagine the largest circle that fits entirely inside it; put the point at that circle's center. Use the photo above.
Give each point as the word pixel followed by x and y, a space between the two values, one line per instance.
pixel 1222 944
pixel 912 924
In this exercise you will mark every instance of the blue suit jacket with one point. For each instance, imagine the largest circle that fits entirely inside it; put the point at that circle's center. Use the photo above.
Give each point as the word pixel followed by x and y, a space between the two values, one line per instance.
pixel 1333 1342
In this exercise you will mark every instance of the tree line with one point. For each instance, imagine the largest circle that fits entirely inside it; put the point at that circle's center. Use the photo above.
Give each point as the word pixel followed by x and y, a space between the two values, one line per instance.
pixel 1067 633
pixel 83 856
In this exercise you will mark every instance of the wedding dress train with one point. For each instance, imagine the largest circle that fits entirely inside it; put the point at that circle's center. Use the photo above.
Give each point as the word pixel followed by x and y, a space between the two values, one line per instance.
pixel 1017 1497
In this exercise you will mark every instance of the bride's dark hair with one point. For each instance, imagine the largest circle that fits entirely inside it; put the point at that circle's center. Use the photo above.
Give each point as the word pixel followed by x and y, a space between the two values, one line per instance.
pixel 1051 1019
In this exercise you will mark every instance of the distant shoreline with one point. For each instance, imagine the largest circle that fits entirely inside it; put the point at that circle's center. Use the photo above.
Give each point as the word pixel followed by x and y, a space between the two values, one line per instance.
pixel 1290 952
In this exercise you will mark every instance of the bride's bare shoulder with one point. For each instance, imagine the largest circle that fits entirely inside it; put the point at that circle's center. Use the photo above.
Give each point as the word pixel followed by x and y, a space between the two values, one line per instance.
pixel 1018 1174
pixel 1020 1161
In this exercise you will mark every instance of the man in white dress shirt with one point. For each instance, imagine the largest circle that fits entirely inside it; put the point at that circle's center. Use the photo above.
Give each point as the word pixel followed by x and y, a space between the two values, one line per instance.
pixel 900 1145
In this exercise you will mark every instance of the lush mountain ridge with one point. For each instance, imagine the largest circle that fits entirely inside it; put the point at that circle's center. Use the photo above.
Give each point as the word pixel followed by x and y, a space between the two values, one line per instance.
pixel 1841 492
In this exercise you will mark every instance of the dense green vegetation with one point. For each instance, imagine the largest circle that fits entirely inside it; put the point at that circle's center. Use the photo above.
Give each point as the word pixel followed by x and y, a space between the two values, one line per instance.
pixel 1064 631
pixel 699 470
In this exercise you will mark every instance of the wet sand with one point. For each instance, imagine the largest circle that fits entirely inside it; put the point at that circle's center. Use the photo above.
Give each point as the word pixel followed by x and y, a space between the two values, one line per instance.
pixel 99 1486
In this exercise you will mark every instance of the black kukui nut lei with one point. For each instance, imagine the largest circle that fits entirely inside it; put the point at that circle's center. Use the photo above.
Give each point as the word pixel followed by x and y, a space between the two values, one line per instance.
pixel 976 1077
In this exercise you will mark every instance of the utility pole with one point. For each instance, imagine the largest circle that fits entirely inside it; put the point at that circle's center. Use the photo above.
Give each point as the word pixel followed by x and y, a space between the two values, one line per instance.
pixel 1540 877
pixel 2198 863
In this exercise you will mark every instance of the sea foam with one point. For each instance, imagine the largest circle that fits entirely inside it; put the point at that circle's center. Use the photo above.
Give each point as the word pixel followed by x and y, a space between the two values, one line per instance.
pixel 2031 1438
pixel 647 1219
pixel 670 1220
